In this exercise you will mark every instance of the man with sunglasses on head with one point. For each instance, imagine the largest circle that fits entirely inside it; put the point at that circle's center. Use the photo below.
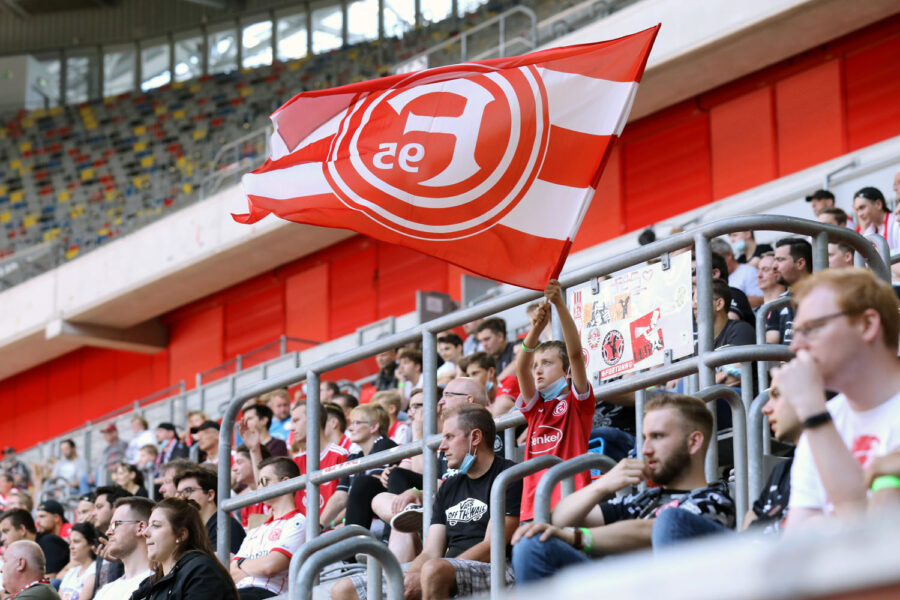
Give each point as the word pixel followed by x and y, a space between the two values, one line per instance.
pixel 260 567
pixel 200 485
pixel 126 543
pixel 845 338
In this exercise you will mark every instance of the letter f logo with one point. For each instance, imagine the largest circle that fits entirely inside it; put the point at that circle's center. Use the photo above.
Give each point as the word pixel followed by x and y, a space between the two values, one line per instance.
pixel 464 128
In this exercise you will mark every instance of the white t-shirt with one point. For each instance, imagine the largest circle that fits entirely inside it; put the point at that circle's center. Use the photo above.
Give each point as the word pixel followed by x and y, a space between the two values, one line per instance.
pixel 70 588
pixel 122 587
pixel 868 434
pixel 889 229
pixel 744 279
pixel 284 535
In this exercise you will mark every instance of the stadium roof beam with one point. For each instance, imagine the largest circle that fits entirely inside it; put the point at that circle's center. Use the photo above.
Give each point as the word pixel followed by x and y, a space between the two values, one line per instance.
pixel 221 4
pixel 14 8
pixel 148 337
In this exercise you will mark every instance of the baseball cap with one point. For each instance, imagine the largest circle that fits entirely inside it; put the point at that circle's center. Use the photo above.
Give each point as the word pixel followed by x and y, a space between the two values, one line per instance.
pixel 167 425
pixel 9 450
pixel 109 428
pixel 820 195
pixel 205 425
pixel 53 507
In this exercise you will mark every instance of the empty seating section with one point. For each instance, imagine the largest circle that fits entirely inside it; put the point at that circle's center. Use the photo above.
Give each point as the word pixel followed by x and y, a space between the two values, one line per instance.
pixel 82 175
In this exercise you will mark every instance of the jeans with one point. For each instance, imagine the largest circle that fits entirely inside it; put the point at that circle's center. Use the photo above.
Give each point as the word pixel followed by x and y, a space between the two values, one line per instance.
pixel 533 559
pixel 675 525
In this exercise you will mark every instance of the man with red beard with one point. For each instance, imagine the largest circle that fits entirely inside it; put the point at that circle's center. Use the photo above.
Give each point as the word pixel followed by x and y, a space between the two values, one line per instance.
pixel 845 340
pixel 677 431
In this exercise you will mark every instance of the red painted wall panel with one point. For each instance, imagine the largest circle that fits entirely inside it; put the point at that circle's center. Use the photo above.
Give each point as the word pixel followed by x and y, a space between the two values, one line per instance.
pixel 254 320
pixel 306 304
pixel 810 108
pixel 742 140
pixel 667 172
pixel 809 114
pixel 401 272
pixel 195 344
pixel 351 290
pixel 604 218
pixel 873 93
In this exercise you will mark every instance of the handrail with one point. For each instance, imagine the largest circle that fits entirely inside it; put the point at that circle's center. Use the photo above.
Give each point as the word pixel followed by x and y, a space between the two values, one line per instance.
pixel 698 237
pixel 543 495
pixel 763 368
pixel 739 442
pixel 311 547
pixel 462 37
pixel 215 175
pixel 498 514
pixel 755 433
pixel 359 544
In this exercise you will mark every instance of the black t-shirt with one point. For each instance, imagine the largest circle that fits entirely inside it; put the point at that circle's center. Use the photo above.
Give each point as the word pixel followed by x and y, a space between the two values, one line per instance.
pixel 740 306
pixel 712 502
pixel 782 321
pixel 382 443
pixel 507 356
pixel 735 333
pixel 237 533
pixel 607 414
pixel 771 506
pixel 462 505
pixel 760 250
pixel 56 551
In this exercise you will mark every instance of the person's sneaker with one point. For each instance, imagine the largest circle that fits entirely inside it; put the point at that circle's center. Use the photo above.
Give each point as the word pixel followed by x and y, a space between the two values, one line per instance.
pixel 408 520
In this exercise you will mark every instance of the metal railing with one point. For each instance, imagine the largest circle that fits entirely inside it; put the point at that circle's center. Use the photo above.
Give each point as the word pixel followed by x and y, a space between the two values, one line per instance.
pixel 234 160
pixel 562 473
pixel 27 263
pixel 703 363
pixel 521 43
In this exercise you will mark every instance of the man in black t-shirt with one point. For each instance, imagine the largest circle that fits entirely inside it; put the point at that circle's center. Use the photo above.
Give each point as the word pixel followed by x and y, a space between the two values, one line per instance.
pixel 793 262
pixel 16 524
pixel 728 332
pixel 455 560
pixel 492 337
pixel 677 430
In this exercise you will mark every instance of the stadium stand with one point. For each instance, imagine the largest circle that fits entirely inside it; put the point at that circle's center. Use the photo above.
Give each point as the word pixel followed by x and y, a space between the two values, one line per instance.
pixel 81 176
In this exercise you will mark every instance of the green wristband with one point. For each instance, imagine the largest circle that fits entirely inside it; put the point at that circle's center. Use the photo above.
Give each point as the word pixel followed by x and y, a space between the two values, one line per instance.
pixel 885 482
pixel 588 540
pixel 526 348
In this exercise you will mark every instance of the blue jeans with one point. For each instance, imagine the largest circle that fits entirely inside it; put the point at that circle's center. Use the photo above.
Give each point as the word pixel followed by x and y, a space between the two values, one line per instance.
pixel 675 525
pixel 533 559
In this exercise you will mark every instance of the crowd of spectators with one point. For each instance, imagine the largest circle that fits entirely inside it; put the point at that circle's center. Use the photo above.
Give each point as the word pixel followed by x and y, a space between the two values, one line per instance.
pixel 142 522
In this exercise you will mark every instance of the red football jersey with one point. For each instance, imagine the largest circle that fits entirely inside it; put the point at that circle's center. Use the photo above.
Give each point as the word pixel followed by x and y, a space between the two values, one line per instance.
pixel 561 427
pixel 331 456
pixel 509 387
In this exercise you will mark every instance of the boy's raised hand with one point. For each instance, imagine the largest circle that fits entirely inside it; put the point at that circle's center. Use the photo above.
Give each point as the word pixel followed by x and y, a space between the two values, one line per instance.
pixel 553 293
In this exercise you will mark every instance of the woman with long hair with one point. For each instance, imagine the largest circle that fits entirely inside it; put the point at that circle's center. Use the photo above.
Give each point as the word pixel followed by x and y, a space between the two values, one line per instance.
pixel 130 477
pixel 183 562
pixel 78 582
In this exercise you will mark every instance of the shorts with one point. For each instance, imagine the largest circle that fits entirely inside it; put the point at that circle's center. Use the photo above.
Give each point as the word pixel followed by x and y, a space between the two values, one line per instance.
pixel 472 576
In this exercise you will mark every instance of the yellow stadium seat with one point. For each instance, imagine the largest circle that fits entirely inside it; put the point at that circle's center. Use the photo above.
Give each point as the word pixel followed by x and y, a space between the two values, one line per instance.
pixel 16 196
pixel 56 110
pixel 25 146
pixel 140 130
pixel 147 161
pixel 199 134
pixel 5 216
pixel 64 195
pixel 177 85
pixel 15 164
pixel 179 114
pixel 161 109
pixel 71 253
pixel 26 123
pixel 188 188
pixel 117 221
pixel 194 88
pixel 77 211
pixel 103 231
pixel 51 234
pixel 30 220
pixel 246 91
pixel 87 174
pixel 138 147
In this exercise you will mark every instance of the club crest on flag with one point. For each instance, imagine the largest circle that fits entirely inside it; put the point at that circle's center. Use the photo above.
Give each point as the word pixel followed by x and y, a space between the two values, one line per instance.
pixel 424 145
pixel 489 165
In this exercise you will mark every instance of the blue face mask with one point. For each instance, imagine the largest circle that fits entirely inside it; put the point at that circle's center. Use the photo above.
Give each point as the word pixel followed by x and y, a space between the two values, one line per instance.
pixel 554 389
pixel 739 247
pixel 467 461
pixel 489 386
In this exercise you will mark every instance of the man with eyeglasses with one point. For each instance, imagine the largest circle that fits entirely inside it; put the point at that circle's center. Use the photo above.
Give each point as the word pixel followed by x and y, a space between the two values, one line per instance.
pixel 200 485
pixel 845 338
pixel 127 544
pixel 107 568
pixel 260 567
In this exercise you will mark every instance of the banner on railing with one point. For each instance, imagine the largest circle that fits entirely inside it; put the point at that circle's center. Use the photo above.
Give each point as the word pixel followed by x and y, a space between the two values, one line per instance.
pixel 630 320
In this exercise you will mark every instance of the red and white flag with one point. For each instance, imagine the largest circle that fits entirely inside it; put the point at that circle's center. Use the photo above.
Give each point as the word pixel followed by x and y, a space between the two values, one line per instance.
pixel 489 165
